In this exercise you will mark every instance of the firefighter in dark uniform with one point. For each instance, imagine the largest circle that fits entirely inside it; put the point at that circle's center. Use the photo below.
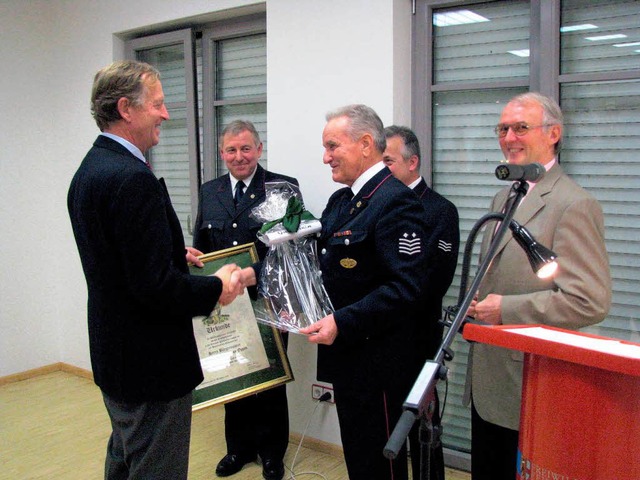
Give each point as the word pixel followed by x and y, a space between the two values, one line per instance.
pixel 402 156
pixel 372 255
pixel 257 424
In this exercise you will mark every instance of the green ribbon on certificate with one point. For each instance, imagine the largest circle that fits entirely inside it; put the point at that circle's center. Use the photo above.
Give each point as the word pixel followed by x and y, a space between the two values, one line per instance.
pixel 291 220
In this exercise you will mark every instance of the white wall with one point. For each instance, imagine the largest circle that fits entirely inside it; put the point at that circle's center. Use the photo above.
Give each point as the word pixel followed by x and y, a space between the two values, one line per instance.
pixel 50 51
pixel 321 55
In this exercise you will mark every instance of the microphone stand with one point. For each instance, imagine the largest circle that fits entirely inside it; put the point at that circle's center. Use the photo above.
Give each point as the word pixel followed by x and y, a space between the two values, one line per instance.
pixel 420 402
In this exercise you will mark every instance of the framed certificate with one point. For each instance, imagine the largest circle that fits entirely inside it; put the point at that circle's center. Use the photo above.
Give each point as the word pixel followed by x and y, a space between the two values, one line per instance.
pixel 238 355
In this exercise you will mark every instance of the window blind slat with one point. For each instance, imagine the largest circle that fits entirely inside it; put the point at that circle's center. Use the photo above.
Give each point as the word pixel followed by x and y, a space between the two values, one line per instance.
pixel 612 17
pixel 242 67
pixel 480 51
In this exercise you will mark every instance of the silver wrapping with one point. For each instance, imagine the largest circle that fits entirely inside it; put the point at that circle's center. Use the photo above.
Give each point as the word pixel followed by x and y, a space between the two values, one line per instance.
pixel 290 290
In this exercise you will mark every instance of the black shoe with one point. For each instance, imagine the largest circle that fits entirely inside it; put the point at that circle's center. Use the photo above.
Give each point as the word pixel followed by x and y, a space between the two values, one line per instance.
pixel 272 469
pixel 231 464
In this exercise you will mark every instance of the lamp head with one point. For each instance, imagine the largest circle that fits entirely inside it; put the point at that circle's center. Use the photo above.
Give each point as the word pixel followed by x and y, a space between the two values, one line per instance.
pixel 542 260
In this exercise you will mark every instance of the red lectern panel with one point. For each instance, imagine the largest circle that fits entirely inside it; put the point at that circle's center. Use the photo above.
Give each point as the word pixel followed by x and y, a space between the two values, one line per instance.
pixel 580 402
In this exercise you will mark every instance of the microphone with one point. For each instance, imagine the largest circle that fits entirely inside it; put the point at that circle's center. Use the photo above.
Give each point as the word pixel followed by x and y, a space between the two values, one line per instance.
pixel 529 173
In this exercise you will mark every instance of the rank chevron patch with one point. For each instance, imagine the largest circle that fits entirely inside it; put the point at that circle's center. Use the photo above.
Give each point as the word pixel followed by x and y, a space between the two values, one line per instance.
pixel 409 244
pixel 442 245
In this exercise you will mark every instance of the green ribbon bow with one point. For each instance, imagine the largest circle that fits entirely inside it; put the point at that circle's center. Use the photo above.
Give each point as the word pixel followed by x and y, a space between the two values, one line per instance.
pixel 291 220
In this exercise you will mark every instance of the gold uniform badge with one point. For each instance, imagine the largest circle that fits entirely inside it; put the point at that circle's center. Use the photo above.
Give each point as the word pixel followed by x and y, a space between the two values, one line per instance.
pixel 348 262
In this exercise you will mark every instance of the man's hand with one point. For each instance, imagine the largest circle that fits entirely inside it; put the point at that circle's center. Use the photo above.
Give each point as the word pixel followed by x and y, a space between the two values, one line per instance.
pixel 489 310
pixel 192 257
pixel 324 331
pixel 232 285
pixel 248 276
pixel 471 311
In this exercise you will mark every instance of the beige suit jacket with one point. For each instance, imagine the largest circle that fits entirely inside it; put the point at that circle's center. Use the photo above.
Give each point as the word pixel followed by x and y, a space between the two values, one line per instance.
pixel 562 216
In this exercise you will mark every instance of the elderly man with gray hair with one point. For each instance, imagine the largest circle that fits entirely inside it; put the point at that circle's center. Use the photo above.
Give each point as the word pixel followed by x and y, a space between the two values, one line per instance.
pixel 562 216
pixel 373 257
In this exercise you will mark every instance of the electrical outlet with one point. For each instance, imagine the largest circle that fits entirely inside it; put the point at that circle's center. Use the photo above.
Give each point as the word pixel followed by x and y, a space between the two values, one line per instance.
pixel 318 391
pixel 326 389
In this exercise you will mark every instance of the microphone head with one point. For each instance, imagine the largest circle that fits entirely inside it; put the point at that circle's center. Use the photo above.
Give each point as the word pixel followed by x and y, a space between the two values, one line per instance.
pixel 530 173
pixel 502 172
pixel 536 172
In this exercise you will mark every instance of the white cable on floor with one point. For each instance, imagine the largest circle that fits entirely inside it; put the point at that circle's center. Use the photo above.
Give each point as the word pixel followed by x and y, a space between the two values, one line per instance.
pixel 296 475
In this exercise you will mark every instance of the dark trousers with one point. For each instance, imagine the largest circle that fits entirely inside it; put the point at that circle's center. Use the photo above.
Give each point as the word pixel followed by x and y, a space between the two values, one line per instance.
pixel 436 459
pixel 366 422
pixel 258 424
pixel 148 440
pixel 494 450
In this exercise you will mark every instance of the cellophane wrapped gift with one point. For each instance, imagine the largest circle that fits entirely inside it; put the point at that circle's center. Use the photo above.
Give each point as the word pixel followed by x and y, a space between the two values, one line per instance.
pixel 290 283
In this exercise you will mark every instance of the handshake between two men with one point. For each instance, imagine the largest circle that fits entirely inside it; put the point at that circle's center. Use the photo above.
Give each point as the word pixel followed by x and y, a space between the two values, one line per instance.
pixel 234 279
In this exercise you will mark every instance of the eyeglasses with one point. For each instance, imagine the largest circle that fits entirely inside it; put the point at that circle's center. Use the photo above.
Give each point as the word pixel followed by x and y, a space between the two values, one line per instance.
pixel 519 128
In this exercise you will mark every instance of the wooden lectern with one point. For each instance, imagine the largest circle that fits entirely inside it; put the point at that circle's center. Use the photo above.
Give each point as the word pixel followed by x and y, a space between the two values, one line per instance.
pixel 580 417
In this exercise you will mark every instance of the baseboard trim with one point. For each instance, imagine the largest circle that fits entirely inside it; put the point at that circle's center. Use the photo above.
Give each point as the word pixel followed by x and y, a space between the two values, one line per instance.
pixel 458 460
pixel 453 459
pixel 44 370
pixel 315 444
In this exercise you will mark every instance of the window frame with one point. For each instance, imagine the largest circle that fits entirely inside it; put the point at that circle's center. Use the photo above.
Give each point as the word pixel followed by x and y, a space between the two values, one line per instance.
pixel 201 112
pixel 544 76
pixel 185 37
pixel 241 27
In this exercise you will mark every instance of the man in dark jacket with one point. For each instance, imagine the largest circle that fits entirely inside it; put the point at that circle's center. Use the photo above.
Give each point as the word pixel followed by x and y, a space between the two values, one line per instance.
pixel 141 296
pixel 373 261
pixel 258 424
pixel 402 156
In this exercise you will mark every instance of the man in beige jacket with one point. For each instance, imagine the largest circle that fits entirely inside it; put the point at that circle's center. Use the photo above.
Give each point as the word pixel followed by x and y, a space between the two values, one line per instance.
pixel 562 216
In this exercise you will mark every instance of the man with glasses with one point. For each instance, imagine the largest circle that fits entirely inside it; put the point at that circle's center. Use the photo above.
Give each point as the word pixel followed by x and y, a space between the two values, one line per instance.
pixel 562 216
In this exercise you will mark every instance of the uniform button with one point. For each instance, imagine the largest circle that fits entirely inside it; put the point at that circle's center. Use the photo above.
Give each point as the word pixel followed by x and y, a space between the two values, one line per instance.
pixel 209 226
pixel 235 225
pixel 323 251
pixel 235 243
pixel 346 241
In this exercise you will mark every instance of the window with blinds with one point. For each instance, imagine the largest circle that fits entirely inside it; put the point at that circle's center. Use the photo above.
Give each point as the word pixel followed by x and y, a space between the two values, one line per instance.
pixel 471 58
pixel 238 91
pixel 176 155
pixel 465 155
pixel 482 42
pixel 600 36
pixel 472 51
pixel 600 98
pixel 210 76
pixel 601 152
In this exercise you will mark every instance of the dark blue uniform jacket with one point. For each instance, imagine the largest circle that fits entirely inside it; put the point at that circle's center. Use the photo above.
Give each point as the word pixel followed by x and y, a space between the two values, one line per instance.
pixel 220 224
pixel 373 257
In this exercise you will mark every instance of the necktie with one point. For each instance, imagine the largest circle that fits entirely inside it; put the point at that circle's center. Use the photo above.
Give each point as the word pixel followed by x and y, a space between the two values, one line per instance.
pixel 505 208
pixel 239 192
pixel 349 194
pixel 345 200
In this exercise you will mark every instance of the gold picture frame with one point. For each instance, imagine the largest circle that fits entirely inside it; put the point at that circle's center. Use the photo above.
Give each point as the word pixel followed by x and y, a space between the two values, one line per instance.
pixel 239 356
